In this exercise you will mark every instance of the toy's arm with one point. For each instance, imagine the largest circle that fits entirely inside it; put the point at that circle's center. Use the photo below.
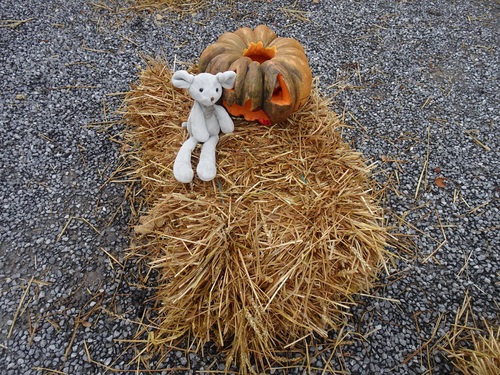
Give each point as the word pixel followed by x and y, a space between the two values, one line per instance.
pixel 225 122
pixel 197 125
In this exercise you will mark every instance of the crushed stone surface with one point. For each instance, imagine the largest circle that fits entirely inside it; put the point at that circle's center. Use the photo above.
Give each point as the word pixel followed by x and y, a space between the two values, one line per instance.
pixel 417 83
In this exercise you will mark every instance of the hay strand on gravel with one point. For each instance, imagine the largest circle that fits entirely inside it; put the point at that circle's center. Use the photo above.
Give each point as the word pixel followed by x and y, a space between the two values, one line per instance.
pixel 471 349
pixel 177 6
pixel 272 250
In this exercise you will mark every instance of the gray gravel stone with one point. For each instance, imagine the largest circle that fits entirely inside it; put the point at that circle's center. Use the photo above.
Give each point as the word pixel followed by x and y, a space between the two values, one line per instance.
pixel 400 72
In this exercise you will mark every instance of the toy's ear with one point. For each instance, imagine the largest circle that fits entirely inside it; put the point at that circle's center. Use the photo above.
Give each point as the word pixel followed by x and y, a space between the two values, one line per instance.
pixel 182 79
pixel 226 79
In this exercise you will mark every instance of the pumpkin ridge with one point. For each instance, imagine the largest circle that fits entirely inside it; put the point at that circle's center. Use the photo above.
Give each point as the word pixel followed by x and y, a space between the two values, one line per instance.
pixel 246 34
pixel 293 70
pixel 288 43
pixel 210 53
pixel 277 112
pixel 220 63
pixel 269 82
pixel 240 66
pixel 253 88
pixel 232 41
pixel 301 91
pixel 265 34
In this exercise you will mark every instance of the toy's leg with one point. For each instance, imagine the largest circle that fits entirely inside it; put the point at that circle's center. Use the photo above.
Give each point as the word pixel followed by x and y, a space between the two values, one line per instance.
pixel 183 171
pixel 206 167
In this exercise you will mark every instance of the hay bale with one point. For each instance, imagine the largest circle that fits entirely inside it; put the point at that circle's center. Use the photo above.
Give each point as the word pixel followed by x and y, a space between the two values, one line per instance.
pixel 272 250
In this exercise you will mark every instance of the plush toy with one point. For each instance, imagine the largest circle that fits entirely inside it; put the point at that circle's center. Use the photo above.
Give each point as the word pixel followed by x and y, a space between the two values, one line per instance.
pixel 205 122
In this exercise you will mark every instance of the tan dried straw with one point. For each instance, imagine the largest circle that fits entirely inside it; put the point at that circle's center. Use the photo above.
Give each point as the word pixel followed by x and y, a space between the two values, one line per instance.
pixel 272 250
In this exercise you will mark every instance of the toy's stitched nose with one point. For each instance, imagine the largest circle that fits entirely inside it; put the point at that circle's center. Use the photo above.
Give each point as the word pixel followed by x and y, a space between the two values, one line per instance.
pixel 212 98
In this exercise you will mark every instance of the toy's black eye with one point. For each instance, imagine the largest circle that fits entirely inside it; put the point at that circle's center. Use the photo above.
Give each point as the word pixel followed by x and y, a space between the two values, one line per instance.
pixel 201 90
pixel 217 89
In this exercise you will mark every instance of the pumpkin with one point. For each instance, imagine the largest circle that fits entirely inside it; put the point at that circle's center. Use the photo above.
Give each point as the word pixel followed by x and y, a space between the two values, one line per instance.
pixel 273 77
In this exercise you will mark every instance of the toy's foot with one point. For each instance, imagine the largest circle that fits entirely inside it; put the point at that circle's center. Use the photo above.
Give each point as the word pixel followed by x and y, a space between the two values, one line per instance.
pixel 183 173
pixel 206 171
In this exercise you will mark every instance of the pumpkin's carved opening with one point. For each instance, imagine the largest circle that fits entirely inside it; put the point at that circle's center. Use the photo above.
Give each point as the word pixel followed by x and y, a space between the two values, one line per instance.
pixel 257 52
pixel 246 111
pixel 281 94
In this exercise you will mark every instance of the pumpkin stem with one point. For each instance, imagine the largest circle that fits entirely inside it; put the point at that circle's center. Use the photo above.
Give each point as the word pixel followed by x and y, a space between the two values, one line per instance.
pixel 257 52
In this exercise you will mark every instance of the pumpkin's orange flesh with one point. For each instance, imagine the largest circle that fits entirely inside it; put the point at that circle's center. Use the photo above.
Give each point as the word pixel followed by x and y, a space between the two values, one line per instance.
pixel 281 95
pixel 245 111
pixel 257 52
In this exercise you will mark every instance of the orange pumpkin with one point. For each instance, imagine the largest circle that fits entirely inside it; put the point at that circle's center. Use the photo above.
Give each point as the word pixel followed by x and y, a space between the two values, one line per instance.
pixel 273 77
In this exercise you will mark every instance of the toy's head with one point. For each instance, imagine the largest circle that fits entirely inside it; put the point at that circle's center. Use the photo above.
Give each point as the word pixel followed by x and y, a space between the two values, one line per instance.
pixel 205 88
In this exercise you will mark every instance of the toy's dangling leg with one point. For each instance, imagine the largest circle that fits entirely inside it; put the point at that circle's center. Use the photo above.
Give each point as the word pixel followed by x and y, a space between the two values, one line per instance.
pixel 207 168
pixel 183 171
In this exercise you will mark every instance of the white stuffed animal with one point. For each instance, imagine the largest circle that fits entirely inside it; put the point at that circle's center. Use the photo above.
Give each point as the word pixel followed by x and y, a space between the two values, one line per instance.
pixel 205 122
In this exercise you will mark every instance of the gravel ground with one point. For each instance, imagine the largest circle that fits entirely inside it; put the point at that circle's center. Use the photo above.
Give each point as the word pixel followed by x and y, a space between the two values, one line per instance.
pixel 418 83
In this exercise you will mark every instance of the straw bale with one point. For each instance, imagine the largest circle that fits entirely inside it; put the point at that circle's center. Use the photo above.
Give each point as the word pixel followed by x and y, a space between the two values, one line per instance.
pixel 269 252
